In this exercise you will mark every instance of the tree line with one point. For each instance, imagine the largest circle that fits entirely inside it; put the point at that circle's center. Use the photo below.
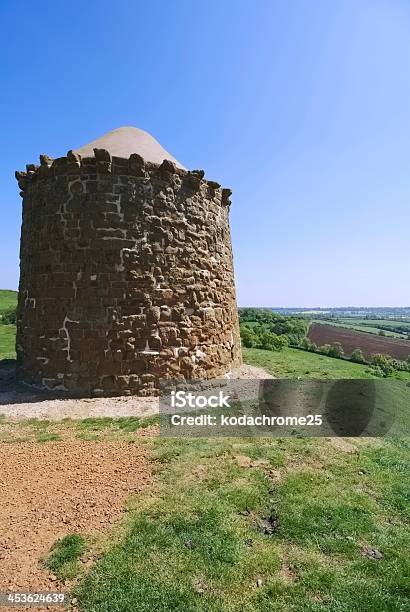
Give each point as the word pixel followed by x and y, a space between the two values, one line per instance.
pixel 264 329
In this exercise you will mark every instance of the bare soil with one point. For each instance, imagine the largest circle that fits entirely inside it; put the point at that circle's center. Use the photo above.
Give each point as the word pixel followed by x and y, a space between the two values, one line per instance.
pixel 351 339
pixel 51 490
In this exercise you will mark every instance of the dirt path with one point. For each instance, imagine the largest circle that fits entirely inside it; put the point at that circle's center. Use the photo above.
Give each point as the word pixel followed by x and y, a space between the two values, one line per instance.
pixel 18 402
pixel 55 489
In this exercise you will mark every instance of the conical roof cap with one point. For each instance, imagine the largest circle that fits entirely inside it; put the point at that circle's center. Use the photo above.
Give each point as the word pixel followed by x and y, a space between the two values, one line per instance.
pixel 124 141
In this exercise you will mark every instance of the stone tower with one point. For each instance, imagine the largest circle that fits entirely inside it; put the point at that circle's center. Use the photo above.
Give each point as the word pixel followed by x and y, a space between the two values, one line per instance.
pixel 126 271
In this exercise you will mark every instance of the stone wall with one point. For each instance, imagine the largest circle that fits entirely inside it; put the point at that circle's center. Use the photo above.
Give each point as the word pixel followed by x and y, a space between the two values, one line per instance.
pixel 126 276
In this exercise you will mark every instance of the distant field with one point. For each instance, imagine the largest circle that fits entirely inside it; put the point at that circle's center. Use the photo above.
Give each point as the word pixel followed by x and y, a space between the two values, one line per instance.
pixel 404 322
pixel 372 326
pixel 351 339
pixel 360 325
pixel 7 299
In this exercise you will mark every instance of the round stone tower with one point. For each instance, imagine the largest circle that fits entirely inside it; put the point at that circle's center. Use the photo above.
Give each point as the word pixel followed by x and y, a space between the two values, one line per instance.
pixel 126 271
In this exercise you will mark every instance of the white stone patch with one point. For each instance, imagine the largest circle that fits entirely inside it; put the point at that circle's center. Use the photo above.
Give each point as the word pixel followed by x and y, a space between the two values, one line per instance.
pixel 45 360
pixel 67 335
pixel 45 383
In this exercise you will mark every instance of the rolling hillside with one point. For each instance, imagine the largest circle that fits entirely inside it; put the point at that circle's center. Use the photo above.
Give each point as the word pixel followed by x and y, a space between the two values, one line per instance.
pixel 8 298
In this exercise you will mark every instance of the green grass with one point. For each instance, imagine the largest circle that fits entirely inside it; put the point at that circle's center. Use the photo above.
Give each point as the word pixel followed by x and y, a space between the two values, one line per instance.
pixel 115 429
pixel 48 437
pixel 8 299
pixel 294 363
pixel 125 424
pixel 64 557
pixel 377 322
pixel 198 542
pixel 36 423
pixel 7 341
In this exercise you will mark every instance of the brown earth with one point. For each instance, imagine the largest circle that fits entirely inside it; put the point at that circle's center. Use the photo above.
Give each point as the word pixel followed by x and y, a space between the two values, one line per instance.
pixel 351 339
pixel 51 490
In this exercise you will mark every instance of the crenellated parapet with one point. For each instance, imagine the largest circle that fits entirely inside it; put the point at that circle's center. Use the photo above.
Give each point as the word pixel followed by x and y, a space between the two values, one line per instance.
pixel 103 163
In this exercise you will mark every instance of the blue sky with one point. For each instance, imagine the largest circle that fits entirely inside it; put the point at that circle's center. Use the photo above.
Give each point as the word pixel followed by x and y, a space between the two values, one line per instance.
pixel 301 108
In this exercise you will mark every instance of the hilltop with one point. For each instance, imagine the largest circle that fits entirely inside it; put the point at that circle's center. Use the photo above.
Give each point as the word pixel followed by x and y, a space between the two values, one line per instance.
pixel 8 299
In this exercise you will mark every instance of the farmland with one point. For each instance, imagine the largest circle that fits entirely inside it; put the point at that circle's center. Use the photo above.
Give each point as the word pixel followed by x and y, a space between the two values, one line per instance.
pixel 351 339
pixel 371 326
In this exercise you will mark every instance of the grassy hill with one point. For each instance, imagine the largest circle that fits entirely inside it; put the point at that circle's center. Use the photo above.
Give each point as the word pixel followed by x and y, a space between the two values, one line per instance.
pixel 7 341
pixel 294 363
pixel 8 299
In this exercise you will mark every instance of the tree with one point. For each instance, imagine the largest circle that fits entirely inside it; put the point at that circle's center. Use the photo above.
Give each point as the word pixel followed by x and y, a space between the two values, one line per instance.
pixel 403 366
pixel 281 342
pixel 382 332
pixel 308 345
pixel 324 349
pixel 336 350
pixel 272 342
pixel 248 336
pixel 357 356
pixel 8 316
pixel 384 362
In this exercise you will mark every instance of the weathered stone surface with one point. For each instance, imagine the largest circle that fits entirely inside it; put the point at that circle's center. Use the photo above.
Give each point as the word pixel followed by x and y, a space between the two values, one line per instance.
pixel 126 276
pixel 73 157
pixel 45 160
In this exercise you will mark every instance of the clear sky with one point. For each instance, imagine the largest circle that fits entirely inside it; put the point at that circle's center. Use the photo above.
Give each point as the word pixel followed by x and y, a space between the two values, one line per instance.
pixel 301 107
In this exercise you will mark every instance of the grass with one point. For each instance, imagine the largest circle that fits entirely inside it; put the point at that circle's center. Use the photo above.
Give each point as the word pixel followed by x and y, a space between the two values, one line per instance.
pixel 7 341
pixel 199 542
pixel 8 299
pixel 48 437
pixel 64 557
pixel 125 424
pixel 89 429
pixel 294 363
pixel 402 322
